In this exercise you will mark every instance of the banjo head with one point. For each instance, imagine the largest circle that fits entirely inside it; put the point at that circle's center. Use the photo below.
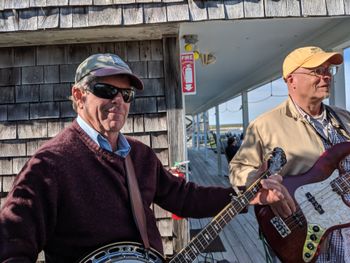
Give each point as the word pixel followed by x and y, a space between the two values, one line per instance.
pixel 127 252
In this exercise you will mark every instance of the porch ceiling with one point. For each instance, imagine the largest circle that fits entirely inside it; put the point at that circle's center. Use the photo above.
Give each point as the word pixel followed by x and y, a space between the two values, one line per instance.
pixel 250 52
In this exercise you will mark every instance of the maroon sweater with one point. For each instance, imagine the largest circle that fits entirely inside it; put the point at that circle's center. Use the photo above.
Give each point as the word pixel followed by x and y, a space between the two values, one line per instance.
pixel 71 197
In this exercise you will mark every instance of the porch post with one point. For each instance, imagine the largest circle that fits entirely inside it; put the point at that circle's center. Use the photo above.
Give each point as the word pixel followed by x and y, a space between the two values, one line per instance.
pixel 205 131
pixel 175 120
pixel 198 131
pixel 218 142
pixel 338 95
pixel 193 132
pixel 245 111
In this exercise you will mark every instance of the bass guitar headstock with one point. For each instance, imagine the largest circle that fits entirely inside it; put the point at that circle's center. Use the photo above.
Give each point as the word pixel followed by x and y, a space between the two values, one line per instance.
pixel 275 163
pixel 277 160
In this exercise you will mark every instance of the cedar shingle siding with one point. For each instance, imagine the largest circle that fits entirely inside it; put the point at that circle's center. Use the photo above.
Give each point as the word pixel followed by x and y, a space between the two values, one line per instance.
pixel 42 15
pixel 34 91
pixel 35 83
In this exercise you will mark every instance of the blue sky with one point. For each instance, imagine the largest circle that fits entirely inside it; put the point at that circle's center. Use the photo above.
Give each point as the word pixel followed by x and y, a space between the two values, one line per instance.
pixel 266 98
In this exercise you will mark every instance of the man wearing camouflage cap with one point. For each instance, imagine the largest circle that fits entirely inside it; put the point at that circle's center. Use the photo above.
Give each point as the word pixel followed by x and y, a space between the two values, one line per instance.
pixel 304 127
pixel 72 196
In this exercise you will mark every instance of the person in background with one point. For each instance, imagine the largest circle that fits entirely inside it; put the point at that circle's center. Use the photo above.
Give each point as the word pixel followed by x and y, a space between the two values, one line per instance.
pixel 304 127
pixel 231 148
pixel 71 197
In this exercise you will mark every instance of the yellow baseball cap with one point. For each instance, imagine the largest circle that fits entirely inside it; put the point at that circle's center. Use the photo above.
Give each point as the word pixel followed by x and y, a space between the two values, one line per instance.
pixel 309 57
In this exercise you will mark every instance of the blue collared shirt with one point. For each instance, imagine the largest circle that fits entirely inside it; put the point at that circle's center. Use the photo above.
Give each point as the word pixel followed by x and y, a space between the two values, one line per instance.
pixel 123 147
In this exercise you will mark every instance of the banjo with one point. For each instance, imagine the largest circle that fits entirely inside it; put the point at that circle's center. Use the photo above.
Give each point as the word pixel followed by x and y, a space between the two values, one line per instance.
pixel 130 252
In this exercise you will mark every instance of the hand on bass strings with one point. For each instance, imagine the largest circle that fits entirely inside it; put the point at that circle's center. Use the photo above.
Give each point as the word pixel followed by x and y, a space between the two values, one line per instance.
pixel 284 207
pixel 273 192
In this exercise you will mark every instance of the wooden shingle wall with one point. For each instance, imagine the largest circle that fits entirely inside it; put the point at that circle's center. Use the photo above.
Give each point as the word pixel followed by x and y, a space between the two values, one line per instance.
pixel 35 83
pixel 27 15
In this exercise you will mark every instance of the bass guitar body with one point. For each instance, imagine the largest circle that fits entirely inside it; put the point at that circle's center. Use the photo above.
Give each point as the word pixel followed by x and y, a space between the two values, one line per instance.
pixel 321 208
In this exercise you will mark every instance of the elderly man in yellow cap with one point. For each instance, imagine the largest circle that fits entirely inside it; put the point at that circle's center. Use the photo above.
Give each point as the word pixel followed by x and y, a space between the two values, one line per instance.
pixel 304 127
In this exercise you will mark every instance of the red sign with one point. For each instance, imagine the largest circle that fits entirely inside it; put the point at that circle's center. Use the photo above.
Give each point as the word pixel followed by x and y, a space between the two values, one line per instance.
pixel 188 77
pixel 178 173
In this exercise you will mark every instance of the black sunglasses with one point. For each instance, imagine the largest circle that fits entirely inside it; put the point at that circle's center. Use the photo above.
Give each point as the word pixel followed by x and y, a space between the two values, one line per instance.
pixel 106 91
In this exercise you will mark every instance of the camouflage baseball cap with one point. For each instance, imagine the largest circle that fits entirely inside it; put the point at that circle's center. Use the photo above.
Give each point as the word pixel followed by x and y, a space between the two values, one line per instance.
pixel 101 65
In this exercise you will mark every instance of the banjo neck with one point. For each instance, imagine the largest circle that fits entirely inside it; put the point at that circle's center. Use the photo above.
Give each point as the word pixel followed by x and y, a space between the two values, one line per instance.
pixel 237 204
pixel 213 229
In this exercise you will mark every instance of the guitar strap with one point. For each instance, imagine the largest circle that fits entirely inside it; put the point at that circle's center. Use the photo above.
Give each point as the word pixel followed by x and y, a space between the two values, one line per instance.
pixel 337 123
pixel 136 201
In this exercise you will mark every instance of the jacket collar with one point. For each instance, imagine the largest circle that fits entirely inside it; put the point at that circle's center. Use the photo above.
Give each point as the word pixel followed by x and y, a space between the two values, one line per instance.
pixel 291 109
pixel 292 112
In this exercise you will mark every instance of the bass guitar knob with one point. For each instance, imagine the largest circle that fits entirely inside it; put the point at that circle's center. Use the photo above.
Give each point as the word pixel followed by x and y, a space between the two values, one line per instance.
pixel 307 255
pixel 313 237
pixel 310 246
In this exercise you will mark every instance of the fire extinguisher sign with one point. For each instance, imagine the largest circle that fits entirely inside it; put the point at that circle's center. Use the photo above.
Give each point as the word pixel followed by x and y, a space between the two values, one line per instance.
pixel 188 77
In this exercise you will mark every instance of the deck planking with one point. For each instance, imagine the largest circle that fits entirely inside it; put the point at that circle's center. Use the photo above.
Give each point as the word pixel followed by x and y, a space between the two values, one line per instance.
pixel 240 237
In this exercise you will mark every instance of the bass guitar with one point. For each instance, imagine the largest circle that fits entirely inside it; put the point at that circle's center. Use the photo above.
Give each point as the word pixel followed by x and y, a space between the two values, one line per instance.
pixel 128 252
pixel 321 207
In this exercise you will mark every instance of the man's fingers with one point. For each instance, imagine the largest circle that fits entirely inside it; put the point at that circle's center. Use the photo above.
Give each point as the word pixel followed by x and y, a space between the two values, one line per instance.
pixel 276 177
pixel 264 197
pixel 284 209
pixel 289 200
pixel 271 184
pixel 274 210
pixel 278 195
pixel 282 203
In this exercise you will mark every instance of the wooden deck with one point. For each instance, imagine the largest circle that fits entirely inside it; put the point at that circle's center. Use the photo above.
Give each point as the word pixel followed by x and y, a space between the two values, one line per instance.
pixel 240 237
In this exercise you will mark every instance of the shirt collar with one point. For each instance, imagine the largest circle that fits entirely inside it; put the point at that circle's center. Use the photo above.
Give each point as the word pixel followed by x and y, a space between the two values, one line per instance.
pixel 123 147
pixel 321 118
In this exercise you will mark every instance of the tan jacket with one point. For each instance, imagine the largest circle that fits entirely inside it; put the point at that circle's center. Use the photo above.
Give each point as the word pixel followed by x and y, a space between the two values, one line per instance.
pixel 281 127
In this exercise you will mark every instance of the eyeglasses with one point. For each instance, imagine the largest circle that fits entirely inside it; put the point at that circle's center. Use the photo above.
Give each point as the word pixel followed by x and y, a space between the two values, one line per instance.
pixel 106 91
pixel 321 71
